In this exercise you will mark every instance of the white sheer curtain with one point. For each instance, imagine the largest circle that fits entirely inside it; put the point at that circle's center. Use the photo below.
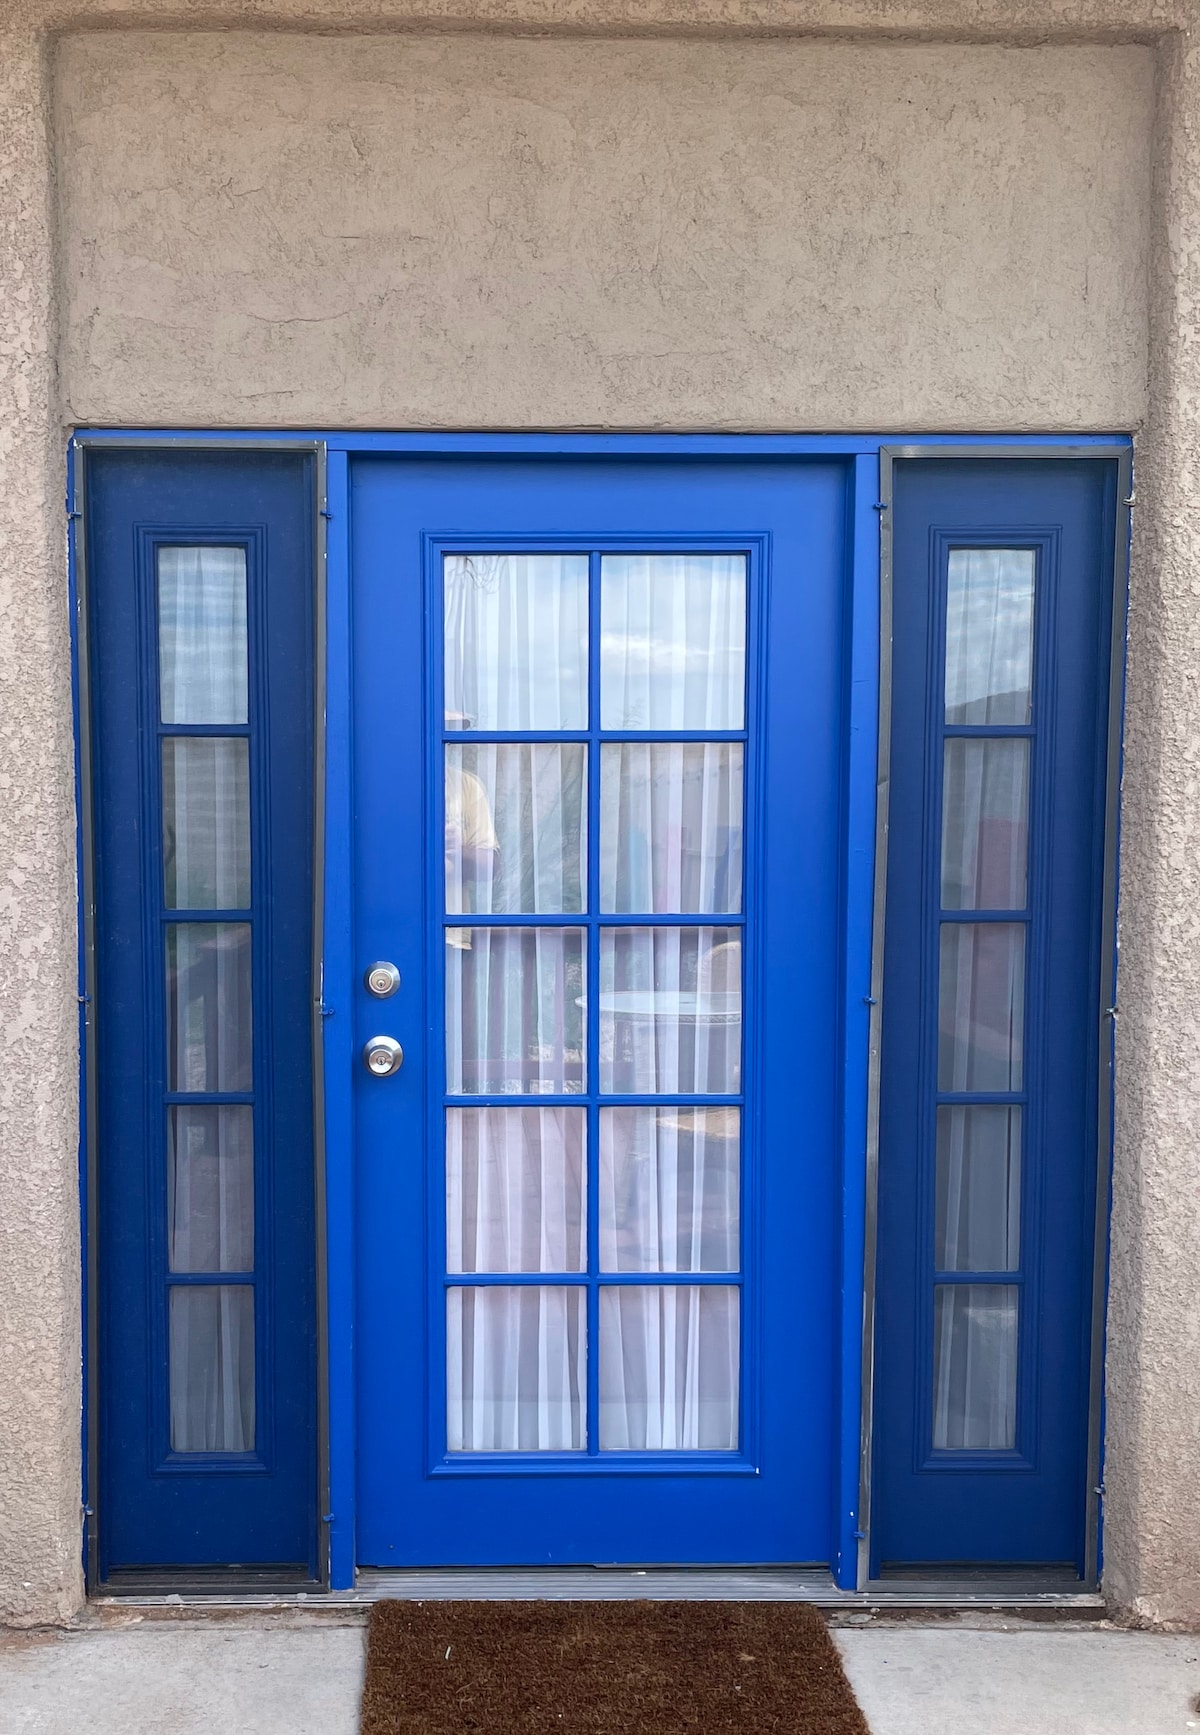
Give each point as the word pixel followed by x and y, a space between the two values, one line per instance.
pixel 672 657
pixel 669 1368
pixel 516 1377
pixel 204 678
pixel 989 634
pixel 975 1367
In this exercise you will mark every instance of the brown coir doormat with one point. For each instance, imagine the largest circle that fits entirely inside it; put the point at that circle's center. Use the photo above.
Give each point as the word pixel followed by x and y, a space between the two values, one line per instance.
pixel 604 1668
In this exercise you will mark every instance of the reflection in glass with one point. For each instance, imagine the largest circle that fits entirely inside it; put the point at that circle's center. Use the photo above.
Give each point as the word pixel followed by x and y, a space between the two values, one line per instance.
pixel 515 1189
pixel 516 836
pixel 669 1189
pixel 672 641
pixel 514 1010
pixel 211 1334
pixel 978 1223
pixel 981 1006
pixel 208 1006
pixel 974 1367
pixel 989 634
pixel 516 1376
pixel 206 822
pixel 210 1187
pixel 985 824
pixel 516 641
pixel 202 635
pixel 669 1364
pixel 671 827
pixel 670 1010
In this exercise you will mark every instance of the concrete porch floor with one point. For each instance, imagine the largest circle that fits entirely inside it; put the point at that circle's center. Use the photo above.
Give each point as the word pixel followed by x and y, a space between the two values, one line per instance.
pixel 300 1673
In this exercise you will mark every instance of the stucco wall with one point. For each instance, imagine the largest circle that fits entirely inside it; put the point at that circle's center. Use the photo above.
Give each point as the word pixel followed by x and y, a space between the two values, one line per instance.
pixel 1152 1505
pixel 501 232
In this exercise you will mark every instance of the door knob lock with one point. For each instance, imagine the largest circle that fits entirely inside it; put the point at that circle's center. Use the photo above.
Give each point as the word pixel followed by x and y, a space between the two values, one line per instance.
pixel 382 980
pixel 382 1056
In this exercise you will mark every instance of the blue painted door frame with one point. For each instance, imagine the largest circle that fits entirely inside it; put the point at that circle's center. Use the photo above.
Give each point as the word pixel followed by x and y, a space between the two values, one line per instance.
pixel 857 849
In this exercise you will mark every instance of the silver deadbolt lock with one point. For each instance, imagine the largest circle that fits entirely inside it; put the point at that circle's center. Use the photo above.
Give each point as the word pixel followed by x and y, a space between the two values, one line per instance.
pixel 382 980
pixel 383 1056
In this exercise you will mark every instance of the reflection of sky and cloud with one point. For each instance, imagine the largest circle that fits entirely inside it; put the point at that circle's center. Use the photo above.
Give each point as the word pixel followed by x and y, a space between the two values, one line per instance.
pixel 672 641
pixel 989 635
pixel 202 635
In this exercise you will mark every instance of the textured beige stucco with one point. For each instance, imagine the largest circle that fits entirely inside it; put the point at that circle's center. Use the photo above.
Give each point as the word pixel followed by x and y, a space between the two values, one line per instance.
pixel 474 232
pixel 1153 1469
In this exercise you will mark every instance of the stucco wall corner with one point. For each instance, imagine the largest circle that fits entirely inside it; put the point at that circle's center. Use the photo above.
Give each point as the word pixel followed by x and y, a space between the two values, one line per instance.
pixel 1152 1471
pixel 40 1354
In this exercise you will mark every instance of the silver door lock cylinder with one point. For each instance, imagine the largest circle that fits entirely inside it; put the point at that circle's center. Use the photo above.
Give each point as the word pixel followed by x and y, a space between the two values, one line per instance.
pixel 382 980
pixel 383 1056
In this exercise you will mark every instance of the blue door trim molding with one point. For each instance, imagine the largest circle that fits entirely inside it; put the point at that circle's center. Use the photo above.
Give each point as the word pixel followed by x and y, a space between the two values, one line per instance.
pixel 866 735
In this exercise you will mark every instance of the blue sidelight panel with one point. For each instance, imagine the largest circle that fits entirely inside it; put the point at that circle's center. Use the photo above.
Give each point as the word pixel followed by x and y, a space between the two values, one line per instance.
pixel 425 1495
pixel 200 597
pixel 1002 604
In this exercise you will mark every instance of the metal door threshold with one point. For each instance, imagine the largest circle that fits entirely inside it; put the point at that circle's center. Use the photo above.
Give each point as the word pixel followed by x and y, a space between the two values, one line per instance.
pixel 1048 1596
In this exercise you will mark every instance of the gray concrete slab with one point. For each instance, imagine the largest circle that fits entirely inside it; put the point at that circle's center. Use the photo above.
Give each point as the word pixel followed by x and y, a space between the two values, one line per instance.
pixel 302 1674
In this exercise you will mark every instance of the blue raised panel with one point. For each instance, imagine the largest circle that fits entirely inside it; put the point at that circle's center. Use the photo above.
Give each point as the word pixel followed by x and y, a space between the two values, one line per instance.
pixel 1005 1484
pixel 219 1486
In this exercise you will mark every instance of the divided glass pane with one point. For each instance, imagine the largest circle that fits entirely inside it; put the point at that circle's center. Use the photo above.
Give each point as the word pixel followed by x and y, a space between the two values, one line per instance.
pixel 515 1011
pixel 672 641
pixel 975 1367
pixel 669 1368
pixel 210 1187
pixel 202 665
pixel 209 1042
pixel 985 824
pixel 516 1378
pixel 669 1185
pixel 206 822
pixel 516 833
pixel 981 1006
pixel 211 1354
pixel 516 641
pixel 989 634
pixel 515 1189
pixel 670 1011
pixel 671 827
pixel 978 1219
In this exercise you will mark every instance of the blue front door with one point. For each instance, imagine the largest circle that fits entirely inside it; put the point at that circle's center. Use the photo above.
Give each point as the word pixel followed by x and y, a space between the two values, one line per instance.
pixel 597 797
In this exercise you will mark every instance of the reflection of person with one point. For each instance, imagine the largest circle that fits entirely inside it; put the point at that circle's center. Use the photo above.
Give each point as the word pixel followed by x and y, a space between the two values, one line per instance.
pixel 472 847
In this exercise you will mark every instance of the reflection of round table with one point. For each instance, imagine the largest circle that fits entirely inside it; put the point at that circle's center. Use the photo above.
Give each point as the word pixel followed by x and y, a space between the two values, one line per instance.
pixel 677 1004
pixel 629 1008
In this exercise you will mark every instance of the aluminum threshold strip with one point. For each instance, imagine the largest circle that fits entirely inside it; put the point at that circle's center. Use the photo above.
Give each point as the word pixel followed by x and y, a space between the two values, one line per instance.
pixel 1054 1594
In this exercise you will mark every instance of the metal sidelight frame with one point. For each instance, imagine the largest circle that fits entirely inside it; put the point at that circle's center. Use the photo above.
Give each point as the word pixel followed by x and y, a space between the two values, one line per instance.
pixel 889 453
pixel 866 727
pixel 79 600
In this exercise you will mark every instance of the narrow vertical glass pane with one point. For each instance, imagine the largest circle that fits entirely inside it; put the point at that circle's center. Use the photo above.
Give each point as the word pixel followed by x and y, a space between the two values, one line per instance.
pixel 208 1006
pixel 670 1010
pixel 669 1189
pixel 514 1011
pixel 989 635
pixel 516 641
pixel 981 1009
pixel 206 822
pixel 516 833
pixel 673 641
pixel 210 1187
pixel 985 824
pixel 978 1225
pixel 202 664
pixel 515 1189
pixel 516 1371
pixel 975 1367
pixel 211 1332
pixel 671 827
pixel 669 1369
